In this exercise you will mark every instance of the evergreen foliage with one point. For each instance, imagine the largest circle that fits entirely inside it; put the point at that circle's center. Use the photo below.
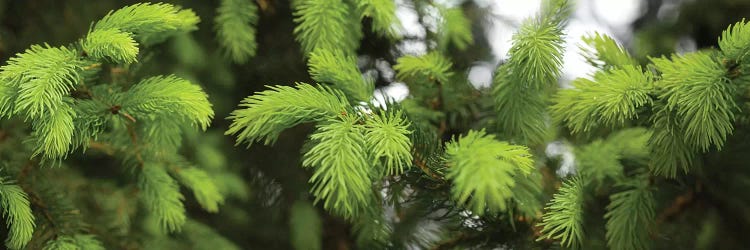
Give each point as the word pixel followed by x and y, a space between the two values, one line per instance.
pixel 70 102
pixel 340 70
pixel 455 29
pixel 564 217
pixel 326 24
pixel 383 14
pixel 630 214
pixel 483 168
pixel 105 144
pixel 17 214
pixel 235 27
pixel 521 84
pixel 610 99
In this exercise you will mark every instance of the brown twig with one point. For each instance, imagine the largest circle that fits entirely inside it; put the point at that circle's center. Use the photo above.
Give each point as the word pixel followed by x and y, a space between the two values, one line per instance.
pixel 679 204
pixel 421 164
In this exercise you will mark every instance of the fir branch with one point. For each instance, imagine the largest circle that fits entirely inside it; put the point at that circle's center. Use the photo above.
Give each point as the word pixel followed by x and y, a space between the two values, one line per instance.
pixel 112 43
pixel 43 75
pixel 691 84
pixel 455 29
pixel 432 67
pixel 483 169
pixel 325 24
pixel 54 134
pixel 341 173
pixel 629 217
pixel 8 96
pixel 235 27
pixel 632 143
pixel 605 53
pixel 383 14
pixel 564 217
pixel 534 63
pixel 17 213
pixel 149 22
pixel 340 70
pixel 735 41
pixel 169 96
pixel 387 140
pixel 536 53
pixel 520 110
pixel 206 192
pixel 266 114
pixel 610 99
pixel 670 152
pixel 161 195
pixel 600 162
pixel 527 195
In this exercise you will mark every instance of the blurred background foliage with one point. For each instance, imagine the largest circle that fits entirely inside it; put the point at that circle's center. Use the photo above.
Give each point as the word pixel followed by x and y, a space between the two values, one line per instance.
pixel 277 185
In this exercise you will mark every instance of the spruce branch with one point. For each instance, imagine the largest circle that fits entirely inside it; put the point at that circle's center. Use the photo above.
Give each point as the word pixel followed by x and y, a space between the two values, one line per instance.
pixel 169 96
pixel 264 115
pixel 74 242
pixel 17 213
pixel 605 53
pixel 383 14
pixel 42 75
pixel 206 192
pixel 563 219
pixel 53 136
pixel 690 84
pixel 735 42
pixel 326 24
pixel 161 195
pixel 112 44
pixel 455 29
pixel 432 67
pixel 387 140
pixel 610 99
pixel 341 176
pixel 149 22
pixel 340 70
pixel 482 170
pixel 630 215
pixel 235 27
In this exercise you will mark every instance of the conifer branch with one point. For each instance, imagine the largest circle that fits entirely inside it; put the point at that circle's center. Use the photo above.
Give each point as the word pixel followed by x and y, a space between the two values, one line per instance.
pixel 235 27
pixel 340 70
pixel 17 213
pixel 689 84
pixel 266 114
pixel 605 53
pixel 455 29
pixel 564 217
pixel 630 215
pixel 383 14
pixel 341 175
pixel 161 195
pixel 610 99
pixel 326 24
pixel 483 169
pixel 387 140
pixel 112 44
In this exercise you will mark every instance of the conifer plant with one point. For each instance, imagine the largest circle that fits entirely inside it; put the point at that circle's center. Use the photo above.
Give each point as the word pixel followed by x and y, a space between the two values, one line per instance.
pixel 95 149
pixel 82 101
pixel 635 130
